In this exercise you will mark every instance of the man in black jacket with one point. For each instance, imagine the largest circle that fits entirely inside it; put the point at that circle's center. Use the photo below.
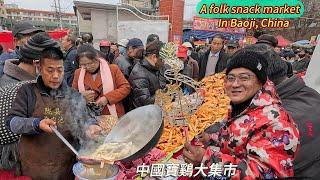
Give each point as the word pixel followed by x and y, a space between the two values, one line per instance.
pixel 70 60
pixel 145 78
pixel 302 63
pixel 215 59
pixel 302 103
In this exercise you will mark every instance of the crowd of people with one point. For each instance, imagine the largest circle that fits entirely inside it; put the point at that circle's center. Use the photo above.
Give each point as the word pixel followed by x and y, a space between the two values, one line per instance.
pixel 271 131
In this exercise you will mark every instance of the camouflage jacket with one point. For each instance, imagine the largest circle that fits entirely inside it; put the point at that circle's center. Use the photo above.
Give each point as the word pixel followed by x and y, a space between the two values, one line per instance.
pixel 262 141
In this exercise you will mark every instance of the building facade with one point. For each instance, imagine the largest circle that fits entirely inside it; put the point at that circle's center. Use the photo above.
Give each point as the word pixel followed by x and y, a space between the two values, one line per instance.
pixel 44 19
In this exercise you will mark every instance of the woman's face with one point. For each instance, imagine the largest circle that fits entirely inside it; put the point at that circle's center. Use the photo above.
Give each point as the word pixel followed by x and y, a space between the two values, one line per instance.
pixel 90 65
pixel 241 84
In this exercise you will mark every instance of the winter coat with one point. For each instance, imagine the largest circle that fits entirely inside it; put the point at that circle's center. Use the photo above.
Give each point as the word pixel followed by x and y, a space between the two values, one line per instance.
pixel 203 60
pixel 9 154
pixel 301 65
pixel 9 85
pixel 302 102
pixel 121 88
pixel 70 64
pixel 13 73
pixel 194 67
pixel 145 80
pixel 124 64
pixel 262 141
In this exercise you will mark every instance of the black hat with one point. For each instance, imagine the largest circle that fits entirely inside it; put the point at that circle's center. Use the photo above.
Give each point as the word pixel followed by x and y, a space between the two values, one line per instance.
pixel 233 43
pixel 268 39
pixel 152 37
pixel 36 44
pixel 251 60
pixel 24 28
pixel 277 68
pixel 135 42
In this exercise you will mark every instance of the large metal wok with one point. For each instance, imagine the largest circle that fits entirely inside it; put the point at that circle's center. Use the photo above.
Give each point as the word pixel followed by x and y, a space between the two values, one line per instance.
pixel 142 126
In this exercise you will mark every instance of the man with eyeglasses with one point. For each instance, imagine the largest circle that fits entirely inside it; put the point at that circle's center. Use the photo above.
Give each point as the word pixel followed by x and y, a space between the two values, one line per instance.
pixel 215 59
pixel 258 137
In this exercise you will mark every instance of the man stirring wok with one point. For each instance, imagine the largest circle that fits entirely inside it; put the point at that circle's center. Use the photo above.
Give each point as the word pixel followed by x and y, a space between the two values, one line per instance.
pixel 47 103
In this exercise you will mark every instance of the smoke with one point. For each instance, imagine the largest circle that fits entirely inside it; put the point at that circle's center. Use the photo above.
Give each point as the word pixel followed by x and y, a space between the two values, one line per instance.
pixel 78 119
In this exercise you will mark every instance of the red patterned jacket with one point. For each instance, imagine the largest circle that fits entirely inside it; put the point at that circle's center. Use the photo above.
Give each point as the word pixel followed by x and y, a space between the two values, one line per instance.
pixel 262 141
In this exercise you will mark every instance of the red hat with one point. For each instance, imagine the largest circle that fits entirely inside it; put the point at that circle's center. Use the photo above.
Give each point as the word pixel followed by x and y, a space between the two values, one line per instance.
pixel 105 43
pixel 182 52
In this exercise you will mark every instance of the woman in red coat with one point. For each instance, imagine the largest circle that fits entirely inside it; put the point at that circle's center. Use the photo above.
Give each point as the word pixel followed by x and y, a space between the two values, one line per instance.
pixel 100 82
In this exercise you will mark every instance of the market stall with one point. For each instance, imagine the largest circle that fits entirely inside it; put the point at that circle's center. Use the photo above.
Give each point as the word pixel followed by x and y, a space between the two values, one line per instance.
pixel 156 134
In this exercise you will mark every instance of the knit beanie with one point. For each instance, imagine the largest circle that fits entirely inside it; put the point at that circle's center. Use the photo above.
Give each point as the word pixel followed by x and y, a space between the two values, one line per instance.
pixel 251 60
pixel 36 44
pixel 277 68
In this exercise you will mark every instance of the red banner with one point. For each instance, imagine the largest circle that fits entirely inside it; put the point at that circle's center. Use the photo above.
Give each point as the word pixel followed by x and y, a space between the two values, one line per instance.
pixel 212 25
pixel 6 40
pixel 57 34
pixel 6 37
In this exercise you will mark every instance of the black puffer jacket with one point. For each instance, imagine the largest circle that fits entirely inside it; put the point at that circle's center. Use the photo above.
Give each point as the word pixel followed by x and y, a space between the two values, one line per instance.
pixel 145 80
pixel 70 64
pixel 302 103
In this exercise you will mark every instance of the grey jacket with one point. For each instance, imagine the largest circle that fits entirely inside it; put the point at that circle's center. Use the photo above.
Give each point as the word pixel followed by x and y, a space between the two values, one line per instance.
pixel 13 73
pixel 302 103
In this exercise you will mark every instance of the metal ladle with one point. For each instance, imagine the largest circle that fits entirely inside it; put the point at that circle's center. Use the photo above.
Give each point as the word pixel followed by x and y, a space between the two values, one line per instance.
pixel 64 141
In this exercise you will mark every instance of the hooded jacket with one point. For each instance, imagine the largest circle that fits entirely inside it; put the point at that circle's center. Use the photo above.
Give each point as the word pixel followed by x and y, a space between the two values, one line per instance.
pixel 262 141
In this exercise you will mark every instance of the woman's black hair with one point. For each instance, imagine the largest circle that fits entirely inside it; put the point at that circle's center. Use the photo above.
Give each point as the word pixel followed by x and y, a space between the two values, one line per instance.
pixel 87 51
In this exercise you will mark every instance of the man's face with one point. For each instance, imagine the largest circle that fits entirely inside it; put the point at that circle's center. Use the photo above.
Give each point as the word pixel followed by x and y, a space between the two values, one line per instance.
pixel 216 45
pixel 231 50
pixel 131 52
pixel 277 50
pixel 66 44
pixel 114 49
pixel 301 54
pixel 241 84
pixel 105 49
pixel 52 72
pixel 23 41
